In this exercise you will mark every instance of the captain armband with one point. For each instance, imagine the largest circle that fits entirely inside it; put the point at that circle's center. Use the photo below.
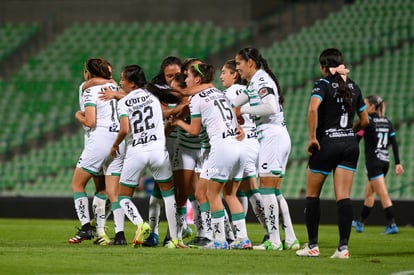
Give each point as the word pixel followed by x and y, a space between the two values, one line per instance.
pixel 265 91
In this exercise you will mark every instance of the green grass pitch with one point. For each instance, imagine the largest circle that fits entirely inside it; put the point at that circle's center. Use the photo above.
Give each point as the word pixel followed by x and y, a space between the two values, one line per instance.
pixel 31 246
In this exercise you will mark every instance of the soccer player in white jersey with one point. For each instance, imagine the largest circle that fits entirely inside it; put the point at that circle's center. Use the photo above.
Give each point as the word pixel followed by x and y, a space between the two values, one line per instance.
pixel 111 181
pixel 248 190
pixel 211 109
pixel 187 162
pixel 99 200
pixel 142 119
pixel 100 120
pixel 265 102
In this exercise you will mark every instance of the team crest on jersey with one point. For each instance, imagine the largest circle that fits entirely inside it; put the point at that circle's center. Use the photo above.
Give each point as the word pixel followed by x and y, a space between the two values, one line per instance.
pixel 265 91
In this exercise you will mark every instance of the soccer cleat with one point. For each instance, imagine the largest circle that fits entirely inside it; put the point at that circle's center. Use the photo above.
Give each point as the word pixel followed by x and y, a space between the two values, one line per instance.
pixel 391 229
pixel 143 231
pixel 359 226
pixel 176 244
pixel 166 239
pixel 102 239
pixel 194 241
pixel 306 251
pixel 241 244
pixel 295 245
pixel 268 245
pixel 198 242
pixel 187 233
pixel 119 239
pixel 151 241
pixel 215 244
pixel 265 238
pixel 343 254
pixel 83 234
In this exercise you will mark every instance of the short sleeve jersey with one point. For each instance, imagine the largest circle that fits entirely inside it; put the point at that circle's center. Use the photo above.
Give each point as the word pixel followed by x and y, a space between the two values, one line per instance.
pixel 260 86
pixel 106 111
pixel 334 122
pixel 377 138
pixel 216 114
pixel 82 103
pixel 146 120
pixel 249 126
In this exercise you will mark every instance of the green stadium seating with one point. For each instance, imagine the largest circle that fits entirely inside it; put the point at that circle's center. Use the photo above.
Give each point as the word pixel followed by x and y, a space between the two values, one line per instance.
pixel 363 37
pixel 12 36
pixel 373 35
pixel 47 85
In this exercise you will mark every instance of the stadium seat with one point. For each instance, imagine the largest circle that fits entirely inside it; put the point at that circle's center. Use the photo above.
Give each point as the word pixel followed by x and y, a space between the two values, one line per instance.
pixel 42 96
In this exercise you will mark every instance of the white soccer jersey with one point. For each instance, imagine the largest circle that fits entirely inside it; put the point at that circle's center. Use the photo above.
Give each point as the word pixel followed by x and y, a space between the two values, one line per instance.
pixel 249 126
pixel 216 114
pixel 258 88
pixel 145 118
pixel 146 145
pixel 82 104
pixel 225 160
pixel 106 115
pixel 250 141
pixel 271 129
pixel 95 156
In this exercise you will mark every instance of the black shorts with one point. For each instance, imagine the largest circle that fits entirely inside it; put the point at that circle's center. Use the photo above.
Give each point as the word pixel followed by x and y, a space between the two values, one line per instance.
pixel 335 154
pixel 376 168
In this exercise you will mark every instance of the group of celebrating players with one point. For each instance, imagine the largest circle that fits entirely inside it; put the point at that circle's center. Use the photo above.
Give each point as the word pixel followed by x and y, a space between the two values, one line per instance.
pixel 204 145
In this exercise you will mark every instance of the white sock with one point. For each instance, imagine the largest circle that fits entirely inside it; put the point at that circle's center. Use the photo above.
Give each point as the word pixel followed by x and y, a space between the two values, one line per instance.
pixel 154 212
pixel 184 221
pixel 170 212
pixel 181 223
pixel 272 214
pixel 130 210
pixel 228 229
pixel 217 222
pixel 185 225
pixel 243 200
pixel 119 217
pixel 256 202
pixel 239 223
pixel 205 229
pixel 287 225
pixel 82 207
pixel 99 207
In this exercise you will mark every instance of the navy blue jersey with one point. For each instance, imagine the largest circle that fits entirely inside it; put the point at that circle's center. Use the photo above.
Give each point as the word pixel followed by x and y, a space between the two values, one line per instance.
pixel 378 135
pixel 334 122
